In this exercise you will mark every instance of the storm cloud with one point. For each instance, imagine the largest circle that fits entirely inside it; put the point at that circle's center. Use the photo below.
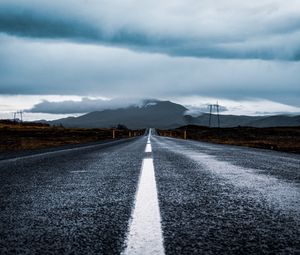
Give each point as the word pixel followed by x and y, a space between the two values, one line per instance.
pixel 216 29
pixel 89 49
pixel 39 67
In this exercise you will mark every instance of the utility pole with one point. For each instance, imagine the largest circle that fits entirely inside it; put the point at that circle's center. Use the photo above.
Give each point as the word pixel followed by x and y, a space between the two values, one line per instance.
pixel 213 107
pixel 20 113
pixel 210 112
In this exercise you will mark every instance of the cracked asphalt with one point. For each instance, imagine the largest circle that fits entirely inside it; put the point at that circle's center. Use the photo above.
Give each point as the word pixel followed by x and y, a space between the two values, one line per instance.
pixel 213 199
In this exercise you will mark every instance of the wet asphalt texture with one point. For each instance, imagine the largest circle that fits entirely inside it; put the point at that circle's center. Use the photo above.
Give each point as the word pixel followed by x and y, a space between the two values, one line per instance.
pixel 75 202
pixel 235 201
pixel 205 212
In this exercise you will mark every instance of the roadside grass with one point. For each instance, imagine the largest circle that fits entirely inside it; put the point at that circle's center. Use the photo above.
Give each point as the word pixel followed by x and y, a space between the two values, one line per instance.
pixel 274 138
pixel 29 136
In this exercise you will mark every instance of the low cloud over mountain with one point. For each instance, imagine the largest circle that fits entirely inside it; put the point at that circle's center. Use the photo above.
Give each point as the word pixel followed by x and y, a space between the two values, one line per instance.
pixel 165 114
pixel 85 105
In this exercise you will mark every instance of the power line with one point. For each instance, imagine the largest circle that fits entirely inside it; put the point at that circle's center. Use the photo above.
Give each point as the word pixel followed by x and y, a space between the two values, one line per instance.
pixel 20 114
pixel 212 108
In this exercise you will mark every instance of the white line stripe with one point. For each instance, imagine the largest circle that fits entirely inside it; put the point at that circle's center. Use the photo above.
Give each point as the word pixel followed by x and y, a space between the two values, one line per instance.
pixel 149 136
pixel 145 233
pixel 148 147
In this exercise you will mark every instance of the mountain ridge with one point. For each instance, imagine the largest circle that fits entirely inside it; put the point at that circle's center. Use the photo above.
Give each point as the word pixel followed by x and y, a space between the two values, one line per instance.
pixel 166 114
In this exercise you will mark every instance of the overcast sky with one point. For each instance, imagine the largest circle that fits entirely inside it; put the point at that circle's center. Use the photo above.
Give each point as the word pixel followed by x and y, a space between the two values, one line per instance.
pixel 84 52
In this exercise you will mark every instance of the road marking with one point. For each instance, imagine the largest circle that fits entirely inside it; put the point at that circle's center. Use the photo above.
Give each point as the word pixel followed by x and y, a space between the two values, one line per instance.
pixel 148 147
pixel 145 232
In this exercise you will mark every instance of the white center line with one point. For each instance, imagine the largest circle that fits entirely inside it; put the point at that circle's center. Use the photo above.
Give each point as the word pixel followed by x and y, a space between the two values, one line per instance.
pixel 145 232
pixel 148 147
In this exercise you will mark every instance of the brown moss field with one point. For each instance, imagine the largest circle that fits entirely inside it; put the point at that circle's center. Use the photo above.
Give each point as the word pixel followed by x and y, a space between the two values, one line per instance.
pixel 285 139
pixel 28 136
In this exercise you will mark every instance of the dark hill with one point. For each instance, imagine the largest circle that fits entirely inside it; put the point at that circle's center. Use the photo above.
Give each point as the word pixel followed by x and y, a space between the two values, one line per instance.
pixel 165 115
pixel 161 114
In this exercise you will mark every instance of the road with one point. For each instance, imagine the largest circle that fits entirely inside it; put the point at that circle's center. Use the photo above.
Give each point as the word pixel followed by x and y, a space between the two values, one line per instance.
pixel 151 195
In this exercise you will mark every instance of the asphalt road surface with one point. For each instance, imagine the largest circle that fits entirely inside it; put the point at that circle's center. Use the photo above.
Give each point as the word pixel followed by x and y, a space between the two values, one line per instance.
pixel 151 195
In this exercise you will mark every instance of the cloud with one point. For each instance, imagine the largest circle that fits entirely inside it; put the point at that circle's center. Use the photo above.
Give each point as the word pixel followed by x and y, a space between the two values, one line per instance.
pixel 196 111
pixel 43 67
pixel 216 29
pixel 231 49
pixel 250 106
pixel 196 106
pixel 84 105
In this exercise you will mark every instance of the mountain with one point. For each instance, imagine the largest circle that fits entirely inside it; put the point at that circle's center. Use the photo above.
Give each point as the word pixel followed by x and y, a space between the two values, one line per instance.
pixel 160 114
pixel 166 114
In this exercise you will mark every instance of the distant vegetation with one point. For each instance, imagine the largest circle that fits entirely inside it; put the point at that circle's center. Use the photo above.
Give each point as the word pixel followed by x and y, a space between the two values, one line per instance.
pixel 275 138
pixel 31 135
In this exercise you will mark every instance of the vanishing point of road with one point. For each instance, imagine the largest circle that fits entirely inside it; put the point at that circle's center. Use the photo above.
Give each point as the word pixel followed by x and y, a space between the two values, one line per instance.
pixel 151 195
